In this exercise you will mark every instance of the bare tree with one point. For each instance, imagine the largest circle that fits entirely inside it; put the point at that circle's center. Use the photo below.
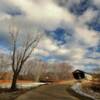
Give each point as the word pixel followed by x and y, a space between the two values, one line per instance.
pixel 4 63
pixel 35 69
pixel 21 51
pixel 39 69
pixel 61 71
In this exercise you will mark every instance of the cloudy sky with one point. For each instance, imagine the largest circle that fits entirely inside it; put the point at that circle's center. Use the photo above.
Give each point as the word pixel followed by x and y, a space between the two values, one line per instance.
pixel 70 29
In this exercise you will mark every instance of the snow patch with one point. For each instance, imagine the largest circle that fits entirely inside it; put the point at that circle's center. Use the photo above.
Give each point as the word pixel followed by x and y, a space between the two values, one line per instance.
pixel 77 88
pixel 23 85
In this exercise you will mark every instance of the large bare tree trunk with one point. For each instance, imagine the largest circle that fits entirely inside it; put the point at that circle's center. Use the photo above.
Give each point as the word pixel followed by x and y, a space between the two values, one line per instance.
pixel 14 81
pixel 19 57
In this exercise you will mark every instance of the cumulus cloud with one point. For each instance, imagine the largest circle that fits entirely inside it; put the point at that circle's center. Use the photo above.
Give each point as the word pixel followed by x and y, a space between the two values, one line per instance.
pixel 78 53
pixel 50 15
pixel 97 2
pixel 47 14
pixel 48 46
pixel 87 16
pixel 89 37
pixel 4 16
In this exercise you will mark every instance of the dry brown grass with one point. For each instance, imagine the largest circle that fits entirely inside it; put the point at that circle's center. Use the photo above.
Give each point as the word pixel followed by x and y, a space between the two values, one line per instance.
pixel 18 81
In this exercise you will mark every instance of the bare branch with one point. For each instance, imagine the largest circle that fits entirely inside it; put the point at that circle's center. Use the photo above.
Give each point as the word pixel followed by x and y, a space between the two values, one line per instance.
pixel 20 57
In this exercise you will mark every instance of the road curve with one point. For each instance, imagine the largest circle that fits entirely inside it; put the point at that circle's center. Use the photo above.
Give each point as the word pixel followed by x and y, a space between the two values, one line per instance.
pixel 49 92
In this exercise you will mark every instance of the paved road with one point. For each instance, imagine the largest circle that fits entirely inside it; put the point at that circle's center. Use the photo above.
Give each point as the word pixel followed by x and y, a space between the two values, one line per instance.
pixel 49 92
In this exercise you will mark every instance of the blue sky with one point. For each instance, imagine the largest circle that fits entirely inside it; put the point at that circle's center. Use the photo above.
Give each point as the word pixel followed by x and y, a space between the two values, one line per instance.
pixel 70 29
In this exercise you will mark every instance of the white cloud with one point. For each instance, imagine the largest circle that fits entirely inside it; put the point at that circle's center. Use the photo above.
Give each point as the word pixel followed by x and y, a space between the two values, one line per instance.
pixel 48 46
pixel 87 16
pixel 78 53
pixel 63 51
pixel 89 37
pixel 4 16
pixel 41 52
pixel 47 43
pixel 96 2
pixel 47 14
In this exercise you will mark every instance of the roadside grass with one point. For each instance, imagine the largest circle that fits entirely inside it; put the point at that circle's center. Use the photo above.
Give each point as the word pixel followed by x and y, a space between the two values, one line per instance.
pixel 7 94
